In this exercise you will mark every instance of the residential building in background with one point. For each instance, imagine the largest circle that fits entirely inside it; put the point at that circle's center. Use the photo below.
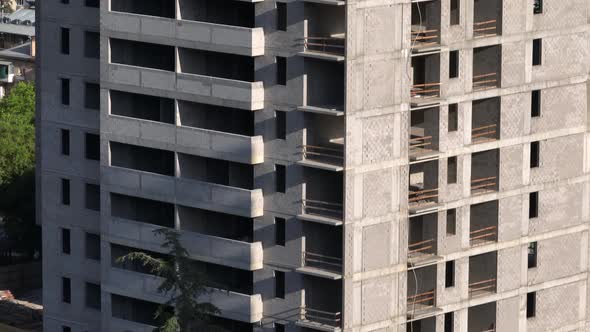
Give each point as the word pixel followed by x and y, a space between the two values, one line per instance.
pixel 333 165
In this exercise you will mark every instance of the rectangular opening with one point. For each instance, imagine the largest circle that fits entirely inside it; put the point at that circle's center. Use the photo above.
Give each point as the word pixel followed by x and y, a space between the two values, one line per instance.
pixel 65 41
pixel 92 296
pixel 93 246
pixel 92 146
pixel 451 170
pixel 281 124
pixel 66 290
pixel 536 103
pixel 91 44
pixel 280 284
pixel 66 246
pixel 537 52
pixel 531 304
pixel 92 197
pixel 449 322
pixel 538 6
pixel 280 178
pixel 66 328
pixel 451 222
pixel 279 327
pixel 455 15
pixel 92 3
pixel 532 255
pixel 453 117
pixel 535 154
pixel 281 70
pixel 281 16
pixel 92 96
pixel 534 204
pixel 65 191
pixel 65 142
pixel 453 64
pixel 450 274
pixel 280 231
pixel 65 91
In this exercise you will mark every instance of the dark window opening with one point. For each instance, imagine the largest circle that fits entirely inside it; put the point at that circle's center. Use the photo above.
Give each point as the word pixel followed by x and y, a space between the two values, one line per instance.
pixel 537 52
pixel 281 16
pixel 65 91
pixel 450 274
pixel 536 103
pixel 452 170
pixel 535 154
pixel 281 70
pixel 93 246
pixel 65 142
pixel 92 146
pixel 531 304
pixel 453 64
pixel 92 96
pixel 280 178
pixel 532 255
pixel 281 124
pixel 453 117
pixel 534 204
pixel 449 322
pixel 280 231
pixel 92 3
pixel 92 197
pixel 65 41
pixel 65 241
pixel 451 222
pixel 65 191
pixel 538 7
pixel 280 284
pixel 93 296
pixel 66 290
pixel 92 44
pixel 66 328
pixel 279 327
pixel 455 17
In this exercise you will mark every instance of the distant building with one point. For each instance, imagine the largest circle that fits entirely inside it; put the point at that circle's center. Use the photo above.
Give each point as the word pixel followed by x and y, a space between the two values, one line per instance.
pixel 17 43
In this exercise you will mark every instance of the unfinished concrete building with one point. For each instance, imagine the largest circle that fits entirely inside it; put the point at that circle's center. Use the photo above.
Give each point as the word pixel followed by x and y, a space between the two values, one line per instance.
pixel 333 165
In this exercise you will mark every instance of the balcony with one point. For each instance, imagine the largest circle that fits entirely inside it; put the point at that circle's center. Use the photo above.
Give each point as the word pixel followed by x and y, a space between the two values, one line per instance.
pixel 423 187
pixel 422 325
pixel 118 324
pixel 425 89
pixel 483 227
pixel 425 29
pixel 220 32
pixel 482 318
pixel 421 296
pixel 323 305
pixel 324 142
pixel 487 67
pixel 487 18
pixel 318 258
pixel 323 87
pixel 236 306
pixel 197 194
pixel 212 249
pixel 321 205
pixel 424 134
pixel 325 34
pixel 483 274
pixel 485 120
pixel 422 239
pixel 485 172
pixel 190 140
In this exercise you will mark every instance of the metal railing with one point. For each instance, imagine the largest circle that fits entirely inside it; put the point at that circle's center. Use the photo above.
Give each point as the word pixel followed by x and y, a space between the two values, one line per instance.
pixel 324 262
pixel 485 81
pixel 329 45
pixel 482 286
pixel 485 28
pixel 333 319
pixel 483 184
pixel 421 247
pixel 483 234
pixel 321 208
pixel 424 38
pixel 425 299
pixel 423 195
pixel 425 90
pixel 418 144
pixel 323 154
pixel 484 132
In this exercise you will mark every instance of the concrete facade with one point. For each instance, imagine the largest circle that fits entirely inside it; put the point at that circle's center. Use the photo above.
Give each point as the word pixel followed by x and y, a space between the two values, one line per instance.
pixel 332 165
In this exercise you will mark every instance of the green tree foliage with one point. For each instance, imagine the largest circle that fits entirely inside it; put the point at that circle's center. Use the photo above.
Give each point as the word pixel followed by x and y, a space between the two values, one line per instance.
pixel 17 163
pixel 17 132
pixel 183 283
